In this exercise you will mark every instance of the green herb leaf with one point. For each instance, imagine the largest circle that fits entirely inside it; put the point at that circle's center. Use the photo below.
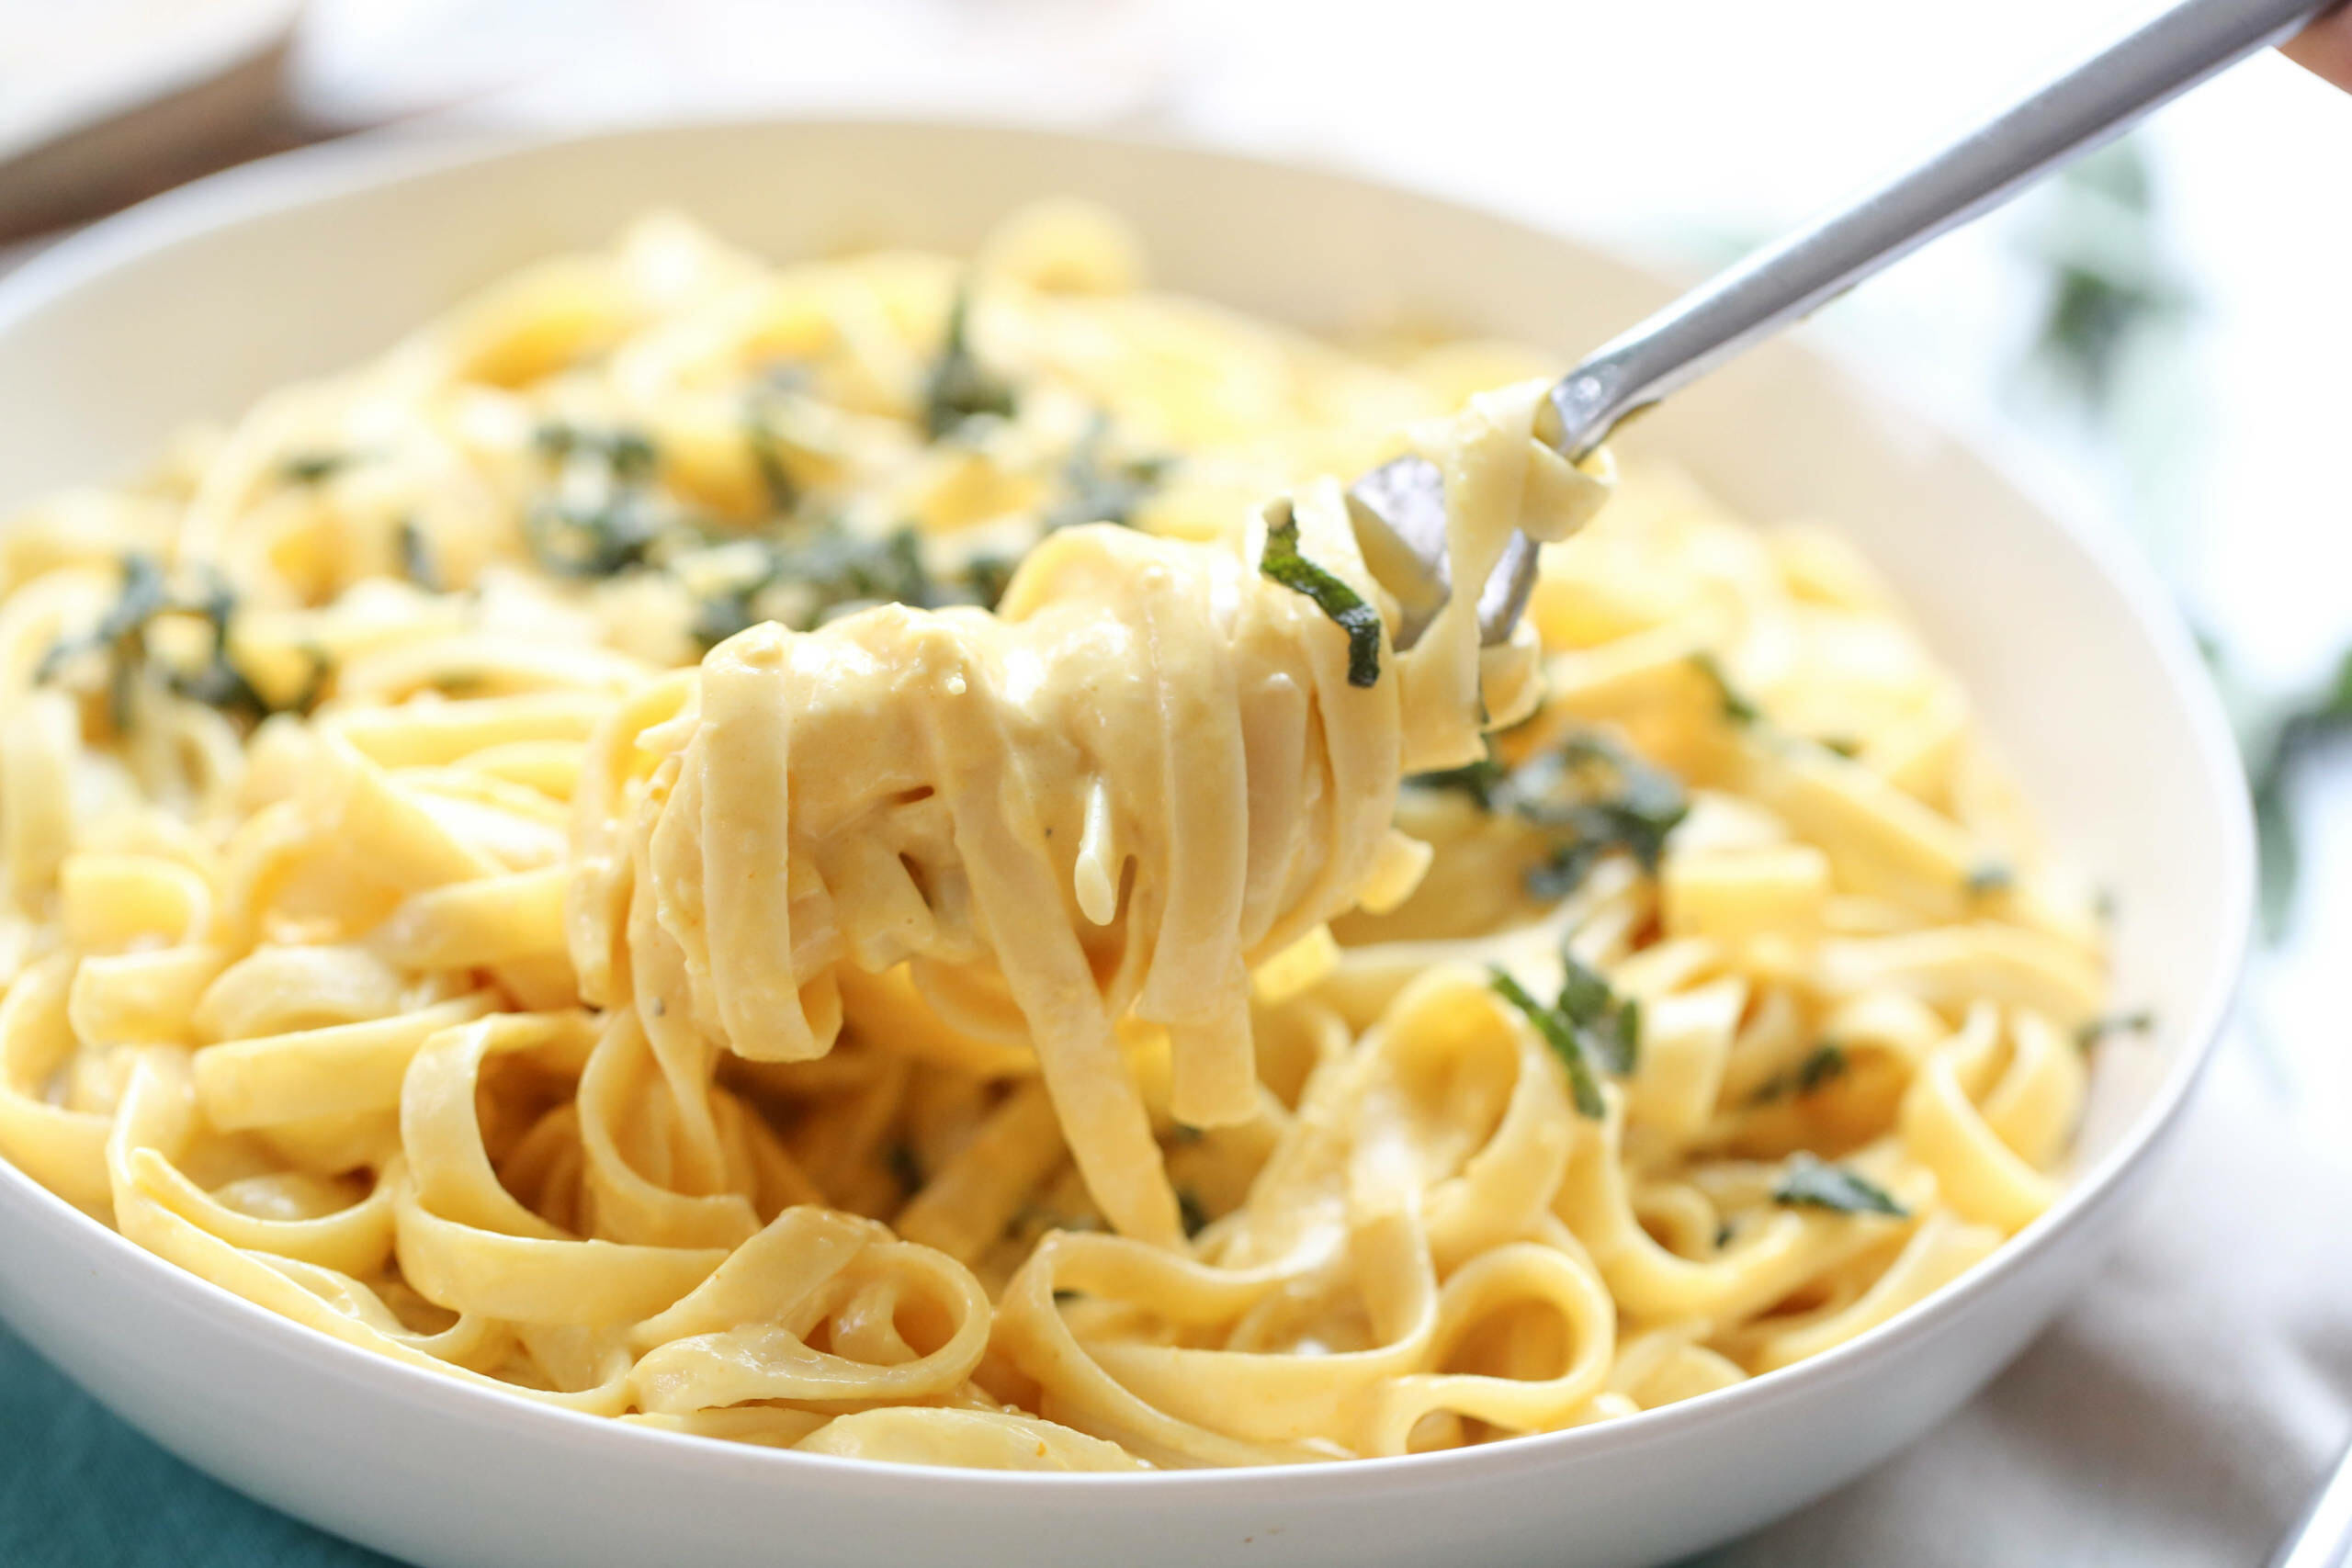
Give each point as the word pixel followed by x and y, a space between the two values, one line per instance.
pixel 1589 796
pixel 1584 1083
pixel 1583 994
pixel 833 570
pixel 1483 781
pixel 143 598
pixel 722 615
pixel 315 467
pixel 120 638
pixel 767 455
pixel 121 635
pixel 1989 877
pixel 1283 563
pixel 611 525
pixel 986 578
pixel 1610 1029
pixel 1808 1181
pixel 2091 1033
pixel 1737 708
pixel 629 455
pixel 1099 489
pixel 416 557
pixel 959 387
pixel 1189 1209
pixel 1825 1063
pixel 599 538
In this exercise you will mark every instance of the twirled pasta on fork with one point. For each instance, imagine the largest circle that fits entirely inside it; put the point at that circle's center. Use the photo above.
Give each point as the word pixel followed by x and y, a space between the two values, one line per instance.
pixel 801 855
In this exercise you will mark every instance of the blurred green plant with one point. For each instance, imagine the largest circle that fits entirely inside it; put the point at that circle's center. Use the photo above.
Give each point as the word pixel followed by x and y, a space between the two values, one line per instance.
pixel 2115 298
pixel 2113 284
pixel 2280 738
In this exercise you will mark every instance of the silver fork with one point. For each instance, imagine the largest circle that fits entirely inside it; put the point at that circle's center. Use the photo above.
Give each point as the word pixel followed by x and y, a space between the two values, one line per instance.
pixel 2323 1538
pixel 1398 509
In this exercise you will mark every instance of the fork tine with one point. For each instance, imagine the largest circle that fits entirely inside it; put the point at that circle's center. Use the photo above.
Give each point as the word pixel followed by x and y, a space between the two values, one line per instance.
pixel 1509 587
pixel 1398 510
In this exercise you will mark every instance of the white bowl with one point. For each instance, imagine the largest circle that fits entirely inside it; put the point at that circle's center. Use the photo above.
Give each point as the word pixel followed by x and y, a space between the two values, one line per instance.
pixel 197 302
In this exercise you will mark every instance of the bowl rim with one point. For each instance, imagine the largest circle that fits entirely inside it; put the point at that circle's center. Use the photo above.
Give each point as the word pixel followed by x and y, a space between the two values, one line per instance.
pixel 361 165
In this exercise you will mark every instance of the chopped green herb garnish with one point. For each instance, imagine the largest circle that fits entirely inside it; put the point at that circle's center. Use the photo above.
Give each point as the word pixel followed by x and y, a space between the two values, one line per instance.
pixel 416 557
pixel 315 467
pixel 1737 708
pixel 630 455
pixel 314 687
pixel 767 455
pixel 1483 781
pixel 120 638
pixel 846 570
pixel 1183 1135
pixel 1589 796
pixel 986 578
pixel 1099 489
pixel 218 683
pixel 1990 877
pixel 1567 1041
pixel 2099 1028
pixel 1808 1181
pixel 720 616
pixel 830 570
pixel 1568 793
pixel 959 386
pixel 1827 1062
pixel 1189 1209
pixel 602 538
pixel 905 1168
pixel 1283 563
pixel 121 635
pixel 1845 746
pixel 1610 1027
pixel 610 525
pixel 1063 1297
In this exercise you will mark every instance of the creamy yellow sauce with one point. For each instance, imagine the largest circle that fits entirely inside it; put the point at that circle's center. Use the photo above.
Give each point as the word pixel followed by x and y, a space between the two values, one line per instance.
pixel 765 851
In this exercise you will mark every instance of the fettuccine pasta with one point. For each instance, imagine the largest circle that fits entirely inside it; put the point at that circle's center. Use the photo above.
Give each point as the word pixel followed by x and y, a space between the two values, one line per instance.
pixel 846 856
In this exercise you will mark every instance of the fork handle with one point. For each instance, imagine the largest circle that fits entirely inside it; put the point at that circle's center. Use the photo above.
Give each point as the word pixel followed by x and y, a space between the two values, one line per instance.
pixel 1791 279
pixel 2324 1538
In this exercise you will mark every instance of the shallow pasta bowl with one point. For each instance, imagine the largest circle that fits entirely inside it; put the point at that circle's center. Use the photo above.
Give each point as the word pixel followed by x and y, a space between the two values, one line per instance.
pixel 195 304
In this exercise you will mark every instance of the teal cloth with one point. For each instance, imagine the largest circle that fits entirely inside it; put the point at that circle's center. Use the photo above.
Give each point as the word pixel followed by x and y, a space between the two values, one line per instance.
pixel 80 1489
